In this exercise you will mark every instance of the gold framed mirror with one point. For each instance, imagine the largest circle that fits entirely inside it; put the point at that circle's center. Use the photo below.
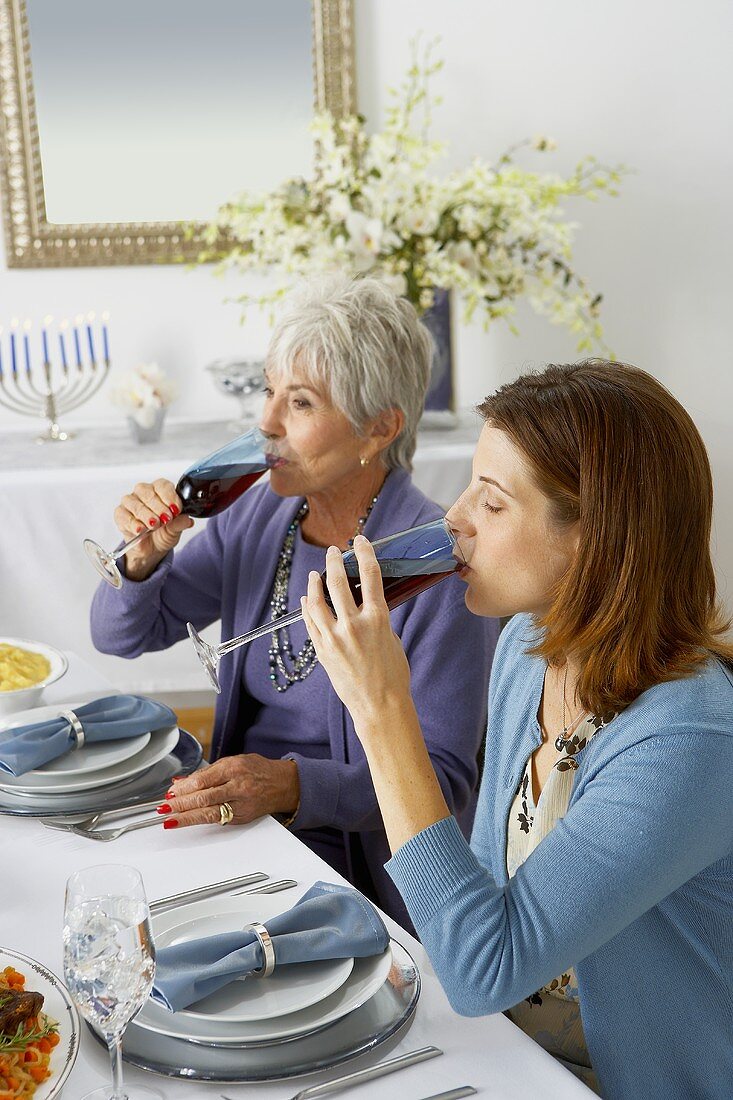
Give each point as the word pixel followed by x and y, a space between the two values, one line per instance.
pixel 85 179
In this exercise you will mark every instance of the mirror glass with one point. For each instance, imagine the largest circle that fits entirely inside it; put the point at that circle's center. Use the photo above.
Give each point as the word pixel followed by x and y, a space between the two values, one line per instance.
pixel 229 83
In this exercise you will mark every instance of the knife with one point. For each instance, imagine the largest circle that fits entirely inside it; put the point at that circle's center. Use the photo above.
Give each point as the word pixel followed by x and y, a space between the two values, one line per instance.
pixel 370 1074
pixel 200 892
pixel 268 887
pixel 453 1094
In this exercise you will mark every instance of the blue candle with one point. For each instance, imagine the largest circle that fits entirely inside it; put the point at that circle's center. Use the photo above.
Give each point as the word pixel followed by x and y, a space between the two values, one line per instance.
pixel 13 362
pixel 105 343
pixel 27 349
pixel 77 347
pixel 44 337
pixel 62 347
pixel 91 345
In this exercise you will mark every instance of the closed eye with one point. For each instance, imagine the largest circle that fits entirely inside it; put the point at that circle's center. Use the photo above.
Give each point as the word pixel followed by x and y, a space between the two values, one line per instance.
pixel 492 508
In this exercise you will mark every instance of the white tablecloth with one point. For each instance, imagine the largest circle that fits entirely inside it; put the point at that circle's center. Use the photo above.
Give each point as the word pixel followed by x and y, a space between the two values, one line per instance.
pixel 489 1053
pixel 54 496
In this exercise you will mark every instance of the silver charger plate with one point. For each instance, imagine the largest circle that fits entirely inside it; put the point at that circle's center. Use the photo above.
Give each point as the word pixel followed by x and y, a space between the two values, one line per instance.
pixel 382 1017
pixel 183 759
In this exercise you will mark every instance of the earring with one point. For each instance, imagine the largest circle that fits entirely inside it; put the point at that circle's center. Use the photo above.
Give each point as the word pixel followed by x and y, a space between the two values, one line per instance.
pixel 364 461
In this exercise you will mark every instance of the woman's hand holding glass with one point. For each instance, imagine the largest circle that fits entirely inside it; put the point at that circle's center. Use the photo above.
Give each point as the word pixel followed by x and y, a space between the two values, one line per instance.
pixel 360 652
pixel 369 671
pixel 251 784
pixel 155 506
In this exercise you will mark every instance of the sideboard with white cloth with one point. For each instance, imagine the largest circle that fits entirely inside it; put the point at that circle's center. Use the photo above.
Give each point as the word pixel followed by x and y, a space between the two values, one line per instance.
pixel 487 1052
pixel 54 496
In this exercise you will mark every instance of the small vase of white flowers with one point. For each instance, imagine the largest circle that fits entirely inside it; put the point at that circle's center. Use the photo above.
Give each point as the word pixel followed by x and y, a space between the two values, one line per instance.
pixel 144 394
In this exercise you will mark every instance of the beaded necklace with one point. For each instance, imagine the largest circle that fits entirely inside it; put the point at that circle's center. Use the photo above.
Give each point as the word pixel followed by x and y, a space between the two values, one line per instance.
pixel 286 667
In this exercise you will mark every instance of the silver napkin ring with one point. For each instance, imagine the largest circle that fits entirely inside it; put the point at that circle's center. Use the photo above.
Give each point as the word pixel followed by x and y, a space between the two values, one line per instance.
pixel 268 950
pixel 76 727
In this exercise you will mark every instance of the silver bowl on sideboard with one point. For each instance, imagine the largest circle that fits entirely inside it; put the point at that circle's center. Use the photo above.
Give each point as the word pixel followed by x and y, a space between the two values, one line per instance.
pixel 242 379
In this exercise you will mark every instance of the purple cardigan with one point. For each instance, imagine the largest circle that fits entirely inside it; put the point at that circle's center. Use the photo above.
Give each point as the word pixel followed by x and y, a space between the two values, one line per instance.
pixel 226 572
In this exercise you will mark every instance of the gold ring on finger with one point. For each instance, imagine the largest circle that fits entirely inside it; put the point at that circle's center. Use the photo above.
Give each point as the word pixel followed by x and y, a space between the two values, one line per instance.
pixel 226 814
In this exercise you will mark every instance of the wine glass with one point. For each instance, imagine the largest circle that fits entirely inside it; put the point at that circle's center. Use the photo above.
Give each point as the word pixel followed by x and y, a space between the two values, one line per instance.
pixel 109 960
pixel 410 562
pixel 206 488
pixel 239 379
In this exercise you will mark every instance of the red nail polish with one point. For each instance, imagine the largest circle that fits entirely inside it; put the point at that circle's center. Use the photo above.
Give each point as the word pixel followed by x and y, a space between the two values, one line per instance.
pixel 173 509
pixel 170 794
pixel 152 522
pixel 175 777
pixel 164 808
pixel 138 530
pixel 164 518
pixel 170 823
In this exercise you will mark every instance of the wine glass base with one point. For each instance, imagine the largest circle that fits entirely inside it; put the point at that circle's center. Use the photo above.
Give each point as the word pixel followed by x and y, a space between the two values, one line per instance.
pixel 130 1092
pixel 103 562
pixel 206 656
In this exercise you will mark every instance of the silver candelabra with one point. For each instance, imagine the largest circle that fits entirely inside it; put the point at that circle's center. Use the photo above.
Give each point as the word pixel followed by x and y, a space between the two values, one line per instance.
pixel 51 389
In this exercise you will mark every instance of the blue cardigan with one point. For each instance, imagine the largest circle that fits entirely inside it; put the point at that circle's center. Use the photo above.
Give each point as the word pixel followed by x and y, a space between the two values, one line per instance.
pixel 634 886
pixel 226 572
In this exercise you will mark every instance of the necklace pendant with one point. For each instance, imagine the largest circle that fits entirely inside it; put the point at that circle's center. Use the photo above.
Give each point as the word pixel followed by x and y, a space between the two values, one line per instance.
pixel 560 742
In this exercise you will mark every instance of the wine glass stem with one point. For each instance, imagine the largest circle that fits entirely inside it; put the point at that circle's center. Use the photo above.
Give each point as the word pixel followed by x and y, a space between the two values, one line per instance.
pixel 267 628
pixel 114 1045
pixel 129 545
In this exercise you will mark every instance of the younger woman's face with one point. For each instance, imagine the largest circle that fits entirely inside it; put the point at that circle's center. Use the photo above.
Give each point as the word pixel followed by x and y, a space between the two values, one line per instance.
pixel 514 551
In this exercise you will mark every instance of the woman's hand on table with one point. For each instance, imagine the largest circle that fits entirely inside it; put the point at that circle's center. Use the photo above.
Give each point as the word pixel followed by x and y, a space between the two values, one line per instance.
pixel 252 784
pixel 361 654
pixel 155 507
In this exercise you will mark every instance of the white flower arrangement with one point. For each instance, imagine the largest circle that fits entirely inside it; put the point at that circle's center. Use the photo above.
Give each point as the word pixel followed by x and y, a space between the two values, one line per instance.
pixel 142 392
pixel 492 233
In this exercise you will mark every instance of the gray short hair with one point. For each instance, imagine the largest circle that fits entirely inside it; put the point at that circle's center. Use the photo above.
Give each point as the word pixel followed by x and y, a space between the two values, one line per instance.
pixel 365 347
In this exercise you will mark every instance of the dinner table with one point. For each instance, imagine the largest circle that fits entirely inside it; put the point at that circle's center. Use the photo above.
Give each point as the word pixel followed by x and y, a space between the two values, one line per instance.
pixel 489 1052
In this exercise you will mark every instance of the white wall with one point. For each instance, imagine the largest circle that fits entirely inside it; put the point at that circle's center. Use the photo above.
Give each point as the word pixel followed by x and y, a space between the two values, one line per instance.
pixel 646 82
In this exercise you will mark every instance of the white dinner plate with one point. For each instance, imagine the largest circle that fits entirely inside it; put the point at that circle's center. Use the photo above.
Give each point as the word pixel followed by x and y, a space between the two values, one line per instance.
pixel 160 744
pixel 58 1006
pixel 289 989
pixel 89 758
pixel 365 979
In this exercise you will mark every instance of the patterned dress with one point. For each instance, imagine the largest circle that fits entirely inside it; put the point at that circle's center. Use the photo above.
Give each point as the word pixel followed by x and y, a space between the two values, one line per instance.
pixel 551 1016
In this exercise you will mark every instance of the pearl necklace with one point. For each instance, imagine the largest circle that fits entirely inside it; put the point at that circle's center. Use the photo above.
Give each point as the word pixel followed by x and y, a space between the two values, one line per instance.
pixel 280 654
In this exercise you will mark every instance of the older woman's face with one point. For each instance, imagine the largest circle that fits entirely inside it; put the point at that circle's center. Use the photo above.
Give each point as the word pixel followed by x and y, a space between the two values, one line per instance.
pixel 515 553
pixel 317 442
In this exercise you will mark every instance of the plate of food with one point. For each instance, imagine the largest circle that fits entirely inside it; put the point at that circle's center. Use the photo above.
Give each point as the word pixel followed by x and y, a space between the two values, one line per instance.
pixel 39 1029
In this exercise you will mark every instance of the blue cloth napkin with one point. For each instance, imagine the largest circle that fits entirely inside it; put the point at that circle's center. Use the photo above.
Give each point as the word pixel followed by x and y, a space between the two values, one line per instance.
pixel 329 922
pixel 112 718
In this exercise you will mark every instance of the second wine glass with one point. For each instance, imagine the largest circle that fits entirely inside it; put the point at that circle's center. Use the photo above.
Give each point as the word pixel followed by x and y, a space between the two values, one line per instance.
pixel 410 562
pixel 109 960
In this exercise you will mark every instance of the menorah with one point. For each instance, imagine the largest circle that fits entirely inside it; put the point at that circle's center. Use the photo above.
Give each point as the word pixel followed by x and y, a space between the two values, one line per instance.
pixel 52 389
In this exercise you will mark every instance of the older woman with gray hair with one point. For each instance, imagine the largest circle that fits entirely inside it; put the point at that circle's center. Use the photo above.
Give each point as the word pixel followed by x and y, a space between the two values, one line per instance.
pixel 346 376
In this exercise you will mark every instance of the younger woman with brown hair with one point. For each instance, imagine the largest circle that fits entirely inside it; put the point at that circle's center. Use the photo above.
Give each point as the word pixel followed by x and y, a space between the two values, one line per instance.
pixel 595 902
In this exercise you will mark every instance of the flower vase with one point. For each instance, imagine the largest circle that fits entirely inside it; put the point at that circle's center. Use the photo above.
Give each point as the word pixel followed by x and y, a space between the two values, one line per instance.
pixel 149 434
pixel 440 398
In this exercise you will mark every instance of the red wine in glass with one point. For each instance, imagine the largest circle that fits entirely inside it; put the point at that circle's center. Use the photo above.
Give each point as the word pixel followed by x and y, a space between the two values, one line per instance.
pixel 206 488
pixel 401 580
pixel 211 490
pixel 410 562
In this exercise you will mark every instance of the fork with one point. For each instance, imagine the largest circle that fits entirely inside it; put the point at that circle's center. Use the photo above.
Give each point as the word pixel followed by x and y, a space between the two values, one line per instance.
pixel 89 822
pixel 112 834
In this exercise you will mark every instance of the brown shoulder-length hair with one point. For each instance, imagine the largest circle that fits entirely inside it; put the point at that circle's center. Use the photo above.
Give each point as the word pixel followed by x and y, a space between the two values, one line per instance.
pixel 615 453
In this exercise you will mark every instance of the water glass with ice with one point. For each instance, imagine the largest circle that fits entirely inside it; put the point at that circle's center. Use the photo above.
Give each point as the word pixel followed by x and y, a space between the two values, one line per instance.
pixel 109 960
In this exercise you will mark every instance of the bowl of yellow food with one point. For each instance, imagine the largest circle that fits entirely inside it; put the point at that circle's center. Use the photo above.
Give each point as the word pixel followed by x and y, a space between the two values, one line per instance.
pixel 26 669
